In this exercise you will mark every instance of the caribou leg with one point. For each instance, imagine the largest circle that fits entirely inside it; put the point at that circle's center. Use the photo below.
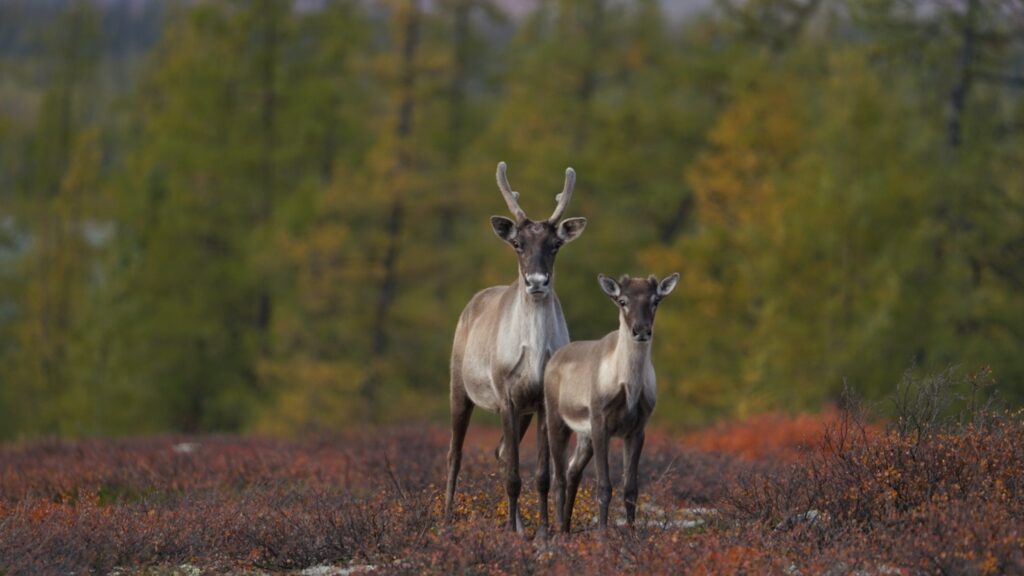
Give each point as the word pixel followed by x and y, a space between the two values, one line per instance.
pixel 499 450
pixel 634 444
pixel 462 410
pixel 543 471
pixel 604 485
pixel 513 484
pixel 558 434
pixel 580 459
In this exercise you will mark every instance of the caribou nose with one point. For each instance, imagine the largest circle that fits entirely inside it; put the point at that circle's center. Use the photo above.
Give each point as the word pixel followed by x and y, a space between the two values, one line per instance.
pixel 537 282
pixel 641 333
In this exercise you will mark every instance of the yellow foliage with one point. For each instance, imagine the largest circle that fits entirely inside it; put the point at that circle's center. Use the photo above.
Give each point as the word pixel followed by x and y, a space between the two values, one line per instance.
pixel 752 140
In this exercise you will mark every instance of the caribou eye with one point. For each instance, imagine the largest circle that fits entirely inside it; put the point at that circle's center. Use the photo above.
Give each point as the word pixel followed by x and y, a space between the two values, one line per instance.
pixel 515 244
pixel 622 301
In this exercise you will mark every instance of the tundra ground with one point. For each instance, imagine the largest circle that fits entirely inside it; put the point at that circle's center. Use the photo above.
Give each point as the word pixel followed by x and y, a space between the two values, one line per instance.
pixel 796 495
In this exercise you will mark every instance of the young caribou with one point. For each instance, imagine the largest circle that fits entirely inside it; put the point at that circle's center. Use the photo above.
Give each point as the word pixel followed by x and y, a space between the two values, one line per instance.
pixel 604 388
pixel 504 337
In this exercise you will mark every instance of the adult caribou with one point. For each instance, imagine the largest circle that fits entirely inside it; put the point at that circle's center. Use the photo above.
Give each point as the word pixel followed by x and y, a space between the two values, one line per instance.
pixel 504 338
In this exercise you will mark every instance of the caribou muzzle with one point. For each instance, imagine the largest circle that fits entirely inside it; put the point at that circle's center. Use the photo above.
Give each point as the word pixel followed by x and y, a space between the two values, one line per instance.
pixel 537 285
pixel 642 333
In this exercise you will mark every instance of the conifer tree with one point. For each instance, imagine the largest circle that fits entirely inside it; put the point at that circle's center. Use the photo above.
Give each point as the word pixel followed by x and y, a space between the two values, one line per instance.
pixel 56 195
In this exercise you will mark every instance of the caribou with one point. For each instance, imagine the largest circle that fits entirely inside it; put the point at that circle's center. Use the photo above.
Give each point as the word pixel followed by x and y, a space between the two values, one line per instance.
pixel 604 388
pixel 504 338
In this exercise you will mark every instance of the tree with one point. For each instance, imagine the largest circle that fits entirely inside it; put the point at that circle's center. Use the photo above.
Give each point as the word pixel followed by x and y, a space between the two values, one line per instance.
pixel 55 197
pixel 197 202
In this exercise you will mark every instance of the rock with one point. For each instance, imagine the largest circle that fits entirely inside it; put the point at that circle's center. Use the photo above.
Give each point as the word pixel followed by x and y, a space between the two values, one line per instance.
pixel 810 517
pixel 652 516
pixel 327 570
pixel 185 447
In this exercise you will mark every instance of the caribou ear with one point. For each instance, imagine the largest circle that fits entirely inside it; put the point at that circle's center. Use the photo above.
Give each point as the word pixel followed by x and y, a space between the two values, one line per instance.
pixel 571 228
pixel 609 286
pixel 668 284
pixel 504 228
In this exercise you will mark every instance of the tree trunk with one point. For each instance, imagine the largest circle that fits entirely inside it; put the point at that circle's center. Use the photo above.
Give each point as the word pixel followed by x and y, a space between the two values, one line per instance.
pixel 388 288
pixel 448 212
pixel 958 96
pixel 269 17
pixel 593 27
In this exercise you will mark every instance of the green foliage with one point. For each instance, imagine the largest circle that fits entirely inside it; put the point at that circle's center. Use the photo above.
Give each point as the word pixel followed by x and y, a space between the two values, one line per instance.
pixel 271 219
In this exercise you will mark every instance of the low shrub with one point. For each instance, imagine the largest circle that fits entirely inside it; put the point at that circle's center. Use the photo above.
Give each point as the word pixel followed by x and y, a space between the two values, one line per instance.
pixel 939 493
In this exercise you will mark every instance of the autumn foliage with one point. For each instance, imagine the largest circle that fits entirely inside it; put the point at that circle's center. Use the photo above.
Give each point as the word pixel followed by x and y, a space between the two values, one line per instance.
pixel 772 435
pixel 813 494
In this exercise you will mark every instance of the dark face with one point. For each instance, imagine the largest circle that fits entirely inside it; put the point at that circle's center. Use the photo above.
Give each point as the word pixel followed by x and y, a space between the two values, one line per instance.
pixel 536 244
pixel 637 299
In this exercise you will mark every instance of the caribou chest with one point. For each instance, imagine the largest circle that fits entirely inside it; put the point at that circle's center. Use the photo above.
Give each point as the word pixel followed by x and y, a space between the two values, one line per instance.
pixel 525 344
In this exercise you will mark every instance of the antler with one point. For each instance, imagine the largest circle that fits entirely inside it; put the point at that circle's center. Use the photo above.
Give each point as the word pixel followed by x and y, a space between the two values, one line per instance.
pixel 511 198
pixel 563 198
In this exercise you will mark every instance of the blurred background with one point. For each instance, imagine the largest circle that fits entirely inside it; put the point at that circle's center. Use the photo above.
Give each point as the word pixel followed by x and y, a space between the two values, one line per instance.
pixel 267 215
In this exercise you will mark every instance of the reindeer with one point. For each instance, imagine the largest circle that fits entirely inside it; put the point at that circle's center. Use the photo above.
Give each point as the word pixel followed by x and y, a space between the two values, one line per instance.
pixel 604 388
pixel 504 337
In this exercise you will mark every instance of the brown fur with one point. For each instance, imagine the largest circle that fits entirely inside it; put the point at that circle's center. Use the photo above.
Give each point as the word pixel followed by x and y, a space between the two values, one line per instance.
pixel 504 338
pixel 604 388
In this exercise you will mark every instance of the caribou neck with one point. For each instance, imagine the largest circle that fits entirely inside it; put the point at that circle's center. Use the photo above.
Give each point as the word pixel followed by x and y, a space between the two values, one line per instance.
pixel 537 319
pixel 531 331
pixel 632 360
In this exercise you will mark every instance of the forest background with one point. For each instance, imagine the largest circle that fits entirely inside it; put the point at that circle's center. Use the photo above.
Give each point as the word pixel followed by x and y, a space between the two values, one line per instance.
pixel 267 215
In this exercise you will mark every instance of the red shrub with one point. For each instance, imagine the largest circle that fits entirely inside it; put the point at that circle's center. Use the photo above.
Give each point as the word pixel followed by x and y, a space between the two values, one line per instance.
pixel 948 501
pixel 768 436
pixel 942 502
